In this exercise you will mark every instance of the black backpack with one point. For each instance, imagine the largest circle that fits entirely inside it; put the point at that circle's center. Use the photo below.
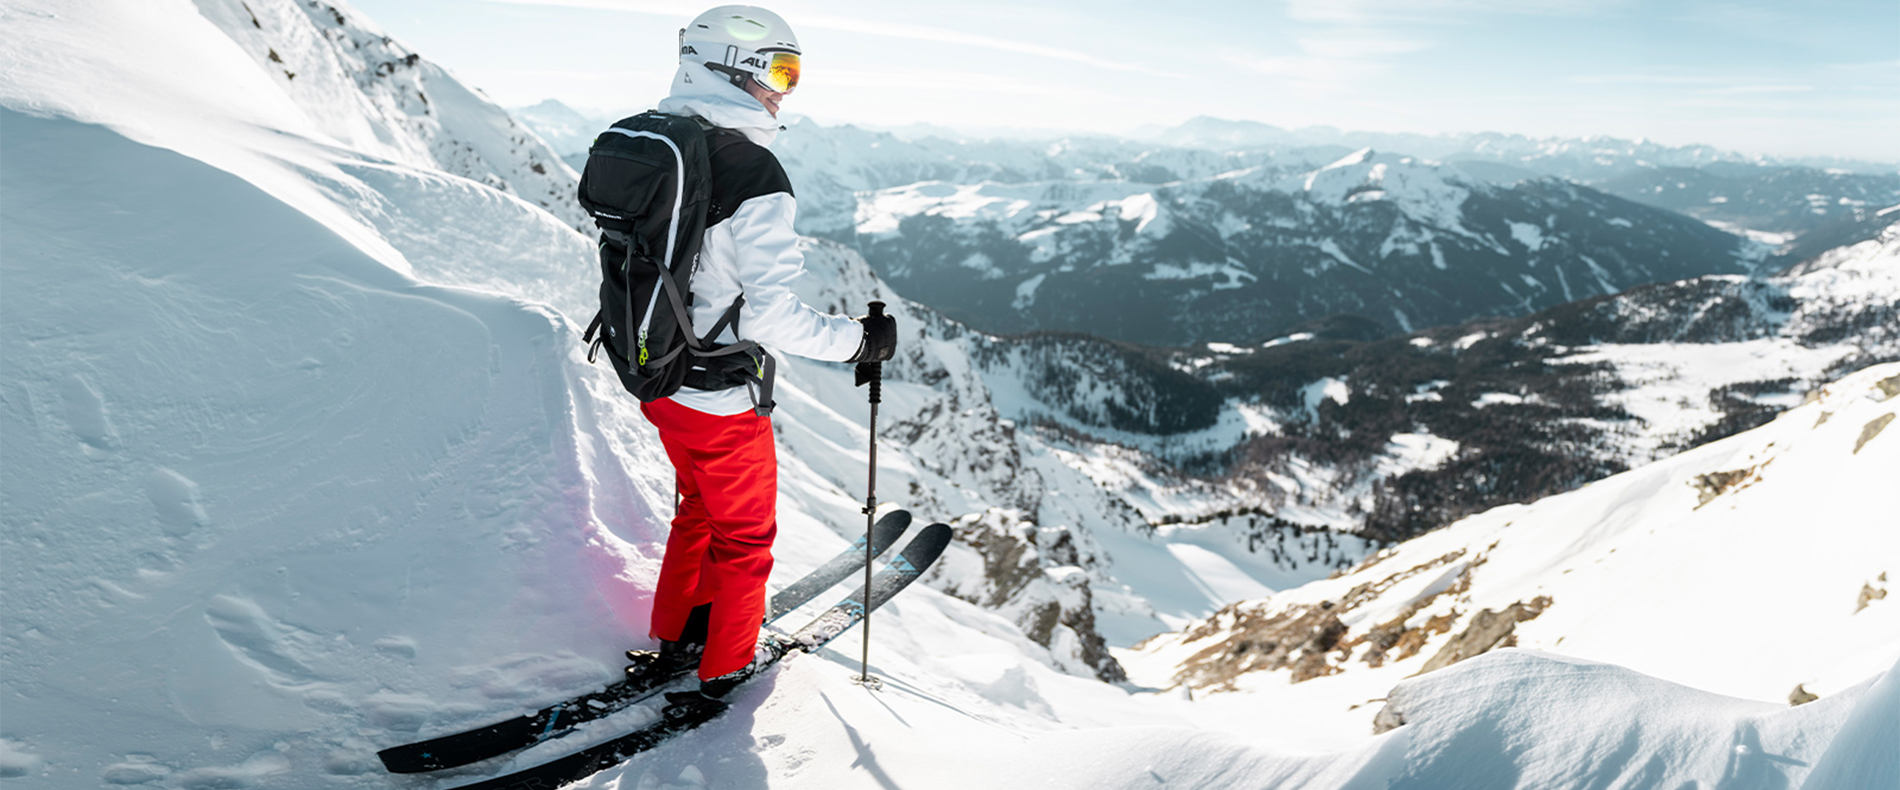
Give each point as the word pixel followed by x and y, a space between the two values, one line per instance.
pixel 648 185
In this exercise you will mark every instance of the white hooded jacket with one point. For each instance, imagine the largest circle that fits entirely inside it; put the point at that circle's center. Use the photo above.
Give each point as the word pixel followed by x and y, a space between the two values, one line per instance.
pixel 754 251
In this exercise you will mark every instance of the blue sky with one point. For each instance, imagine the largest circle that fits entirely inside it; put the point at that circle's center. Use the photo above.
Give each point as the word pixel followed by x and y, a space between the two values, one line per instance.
pixel 1816 78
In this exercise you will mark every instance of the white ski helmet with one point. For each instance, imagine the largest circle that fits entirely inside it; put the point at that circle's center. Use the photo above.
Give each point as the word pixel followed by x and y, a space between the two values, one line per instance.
pixel 743 41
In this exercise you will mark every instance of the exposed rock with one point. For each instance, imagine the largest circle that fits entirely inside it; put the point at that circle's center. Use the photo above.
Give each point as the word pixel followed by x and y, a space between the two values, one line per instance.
pixel 1872 429
pixel 1889 387
pixel 1392 641
pixel 1296 639
pixel 1388 718
pixel 1310 640
pixel 1030 574
pixel 1488 630
pixel 1870 593
pixel 1715 484
pixel 1800 695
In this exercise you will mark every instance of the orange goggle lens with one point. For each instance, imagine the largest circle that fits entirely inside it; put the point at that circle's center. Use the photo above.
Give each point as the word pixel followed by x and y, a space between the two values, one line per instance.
pixel 781 74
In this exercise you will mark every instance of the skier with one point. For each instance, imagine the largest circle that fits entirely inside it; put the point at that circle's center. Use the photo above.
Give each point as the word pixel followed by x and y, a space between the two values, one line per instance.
pixel 736 65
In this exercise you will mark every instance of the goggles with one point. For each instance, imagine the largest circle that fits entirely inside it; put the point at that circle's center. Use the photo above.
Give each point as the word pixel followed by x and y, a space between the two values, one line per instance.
pixel 777 71
pixel 780 74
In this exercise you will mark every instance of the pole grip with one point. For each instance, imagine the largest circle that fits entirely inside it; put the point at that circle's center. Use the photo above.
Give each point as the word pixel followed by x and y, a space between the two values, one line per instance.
pixel 872 373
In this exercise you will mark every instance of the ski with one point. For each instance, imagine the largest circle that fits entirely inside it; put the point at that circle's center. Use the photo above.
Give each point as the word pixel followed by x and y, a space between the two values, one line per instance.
pixel 554 721
pixel 911 563
pixel 884 534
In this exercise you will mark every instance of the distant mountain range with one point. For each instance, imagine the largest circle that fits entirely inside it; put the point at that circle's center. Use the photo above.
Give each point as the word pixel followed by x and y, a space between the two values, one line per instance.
pixel 1244 255
pixel 1586 159
pixel 1235 231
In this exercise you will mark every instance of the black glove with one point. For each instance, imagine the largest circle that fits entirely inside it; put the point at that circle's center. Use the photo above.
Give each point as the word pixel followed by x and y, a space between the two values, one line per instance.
pixel 880 336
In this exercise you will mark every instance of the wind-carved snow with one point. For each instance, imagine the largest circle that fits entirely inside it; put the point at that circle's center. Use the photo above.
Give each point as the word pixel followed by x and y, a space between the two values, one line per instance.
pixel 371 94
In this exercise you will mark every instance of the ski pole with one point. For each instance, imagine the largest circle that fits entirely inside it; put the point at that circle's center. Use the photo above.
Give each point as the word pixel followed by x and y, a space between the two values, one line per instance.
pixel 871 373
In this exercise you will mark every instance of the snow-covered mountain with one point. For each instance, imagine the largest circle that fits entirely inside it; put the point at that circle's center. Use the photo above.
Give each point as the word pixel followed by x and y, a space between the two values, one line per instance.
pixel 367 92
pixel 1684 568
pixel 1583 159
pixel 302 459
pixel 567 130
pixel 1774 204
pixel 1776 198
pixel 1245 255
pixel 1335 426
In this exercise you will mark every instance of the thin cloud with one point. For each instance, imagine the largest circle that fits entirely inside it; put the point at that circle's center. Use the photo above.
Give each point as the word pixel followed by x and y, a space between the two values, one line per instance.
pixel 1316 71
pixel 947 36
pixel 1736 89
pixel 1713 86
pixel 1386 11
pixel 1330 61
pixel 687 10
pixel 871 28
pixel 940 82
pixel 1359 47
pixel 1641 79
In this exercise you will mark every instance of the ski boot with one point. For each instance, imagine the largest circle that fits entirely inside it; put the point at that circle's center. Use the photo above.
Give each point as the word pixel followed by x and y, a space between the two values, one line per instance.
pixel 675 657
pixel 710 698
pixel 672 658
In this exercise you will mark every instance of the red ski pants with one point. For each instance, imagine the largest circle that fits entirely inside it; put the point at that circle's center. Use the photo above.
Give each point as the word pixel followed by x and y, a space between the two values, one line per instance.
pixel 720 549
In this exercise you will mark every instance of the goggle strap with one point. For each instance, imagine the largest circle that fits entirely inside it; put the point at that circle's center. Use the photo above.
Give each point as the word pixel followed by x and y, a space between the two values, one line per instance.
pixel 779 72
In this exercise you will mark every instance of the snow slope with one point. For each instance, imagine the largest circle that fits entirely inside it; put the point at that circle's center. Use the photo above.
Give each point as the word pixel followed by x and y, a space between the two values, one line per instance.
pixel 257 482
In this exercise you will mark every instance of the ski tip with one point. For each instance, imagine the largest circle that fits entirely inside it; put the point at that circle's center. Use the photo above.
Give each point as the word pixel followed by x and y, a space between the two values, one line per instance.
pixel 929 542
pixel 898 520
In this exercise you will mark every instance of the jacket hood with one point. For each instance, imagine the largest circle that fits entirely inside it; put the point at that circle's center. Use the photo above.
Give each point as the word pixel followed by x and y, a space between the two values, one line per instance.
pixel 700 93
